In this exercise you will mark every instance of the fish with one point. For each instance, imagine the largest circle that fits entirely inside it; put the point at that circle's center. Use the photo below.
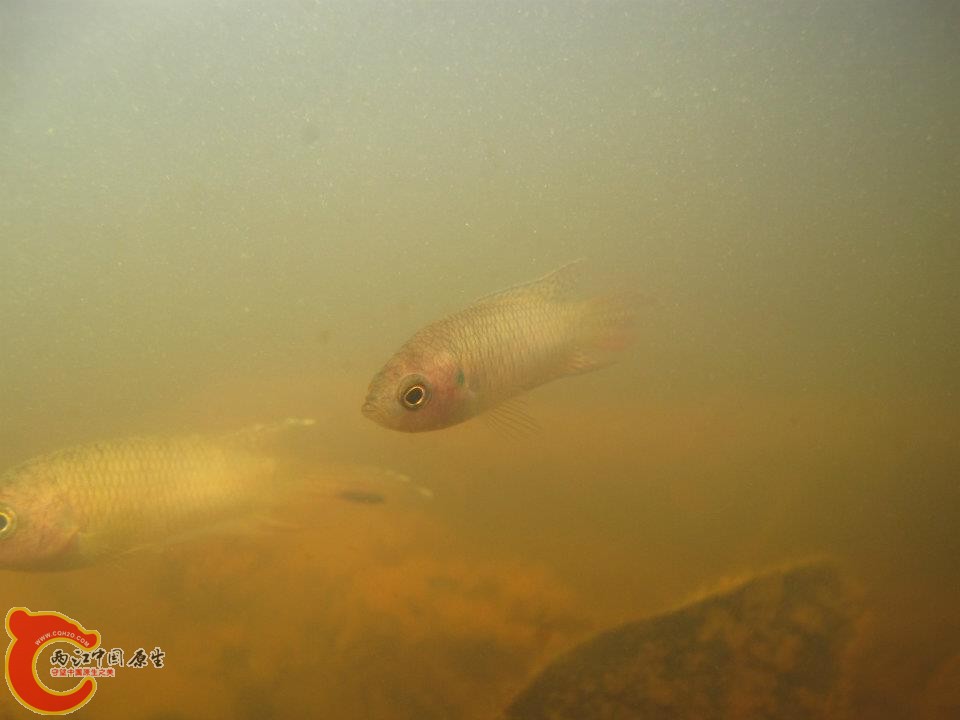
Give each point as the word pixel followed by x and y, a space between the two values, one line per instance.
pixel 82 505
pixel 484 357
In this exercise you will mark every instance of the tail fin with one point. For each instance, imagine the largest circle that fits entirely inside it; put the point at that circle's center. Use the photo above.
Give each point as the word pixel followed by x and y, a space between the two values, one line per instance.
pixel 608 327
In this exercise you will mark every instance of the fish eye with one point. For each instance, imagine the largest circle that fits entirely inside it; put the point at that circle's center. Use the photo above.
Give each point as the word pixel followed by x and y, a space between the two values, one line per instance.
pixel 414 396
pixel 7 522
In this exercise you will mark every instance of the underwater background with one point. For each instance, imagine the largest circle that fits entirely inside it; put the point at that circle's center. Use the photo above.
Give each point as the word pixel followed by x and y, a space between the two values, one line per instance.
pixel 225 213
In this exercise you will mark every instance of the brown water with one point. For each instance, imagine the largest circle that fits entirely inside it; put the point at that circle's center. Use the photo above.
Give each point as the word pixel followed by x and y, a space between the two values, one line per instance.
pixel 217 215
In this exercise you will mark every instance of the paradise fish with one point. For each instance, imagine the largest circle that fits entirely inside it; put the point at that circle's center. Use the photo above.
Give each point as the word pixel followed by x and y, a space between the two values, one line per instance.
pixel 78 506
pixel 501 346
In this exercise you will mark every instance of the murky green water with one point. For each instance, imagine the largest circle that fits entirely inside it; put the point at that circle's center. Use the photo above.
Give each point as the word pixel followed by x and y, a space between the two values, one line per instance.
pixel 218 214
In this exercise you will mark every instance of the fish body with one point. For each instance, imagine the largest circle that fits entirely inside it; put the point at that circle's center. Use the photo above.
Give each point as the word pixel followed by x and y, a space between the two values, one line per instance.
pixel 501 346
pixel 76 506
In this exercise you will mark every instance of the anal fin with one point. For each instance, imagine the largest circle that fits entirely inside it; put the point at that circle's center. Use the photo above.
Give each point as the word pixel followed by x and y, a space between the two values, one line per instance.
pixel 512 418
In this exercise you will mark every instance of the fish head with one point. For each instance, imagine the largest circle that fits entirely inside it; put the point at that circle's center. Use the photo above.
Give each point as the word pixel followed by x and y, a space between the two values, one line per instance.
pixel 419 391
pixel 37 529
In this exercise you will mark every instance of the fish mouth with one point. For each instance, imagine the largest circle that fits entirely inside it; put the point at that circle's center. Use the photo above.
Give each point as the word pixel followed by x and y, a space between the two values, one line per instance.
pixel 371 410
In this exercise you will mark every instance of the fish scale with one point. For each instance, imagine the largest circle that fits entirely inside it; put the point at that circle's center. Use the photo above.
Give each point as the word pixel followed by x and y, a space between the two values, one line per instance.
pixel 108 498
pixel 476 359
pixel 81 505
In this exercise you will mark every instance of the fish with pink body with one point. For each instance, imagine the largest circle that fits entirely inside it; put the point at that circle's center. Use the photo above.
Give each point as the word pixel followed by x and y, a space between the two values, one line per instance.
pixel 498 348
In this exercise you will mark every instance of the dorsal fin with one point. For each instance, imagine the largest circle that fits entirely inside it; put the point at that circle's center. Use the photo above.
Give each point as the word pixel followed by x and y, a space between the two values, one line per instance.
pixel 555 286
pixel 257 435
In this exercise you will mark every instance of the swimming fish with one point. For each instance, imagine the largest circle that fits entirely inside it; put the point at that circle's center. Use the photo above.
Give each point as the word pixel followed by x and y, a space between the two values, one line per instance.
pixel 505 344
pixel 78 506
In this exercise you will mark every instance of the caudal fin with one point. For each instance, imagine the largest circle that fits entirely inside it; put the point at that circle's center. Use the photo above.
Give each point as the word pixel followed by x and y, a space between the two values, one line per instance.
pixel 608 327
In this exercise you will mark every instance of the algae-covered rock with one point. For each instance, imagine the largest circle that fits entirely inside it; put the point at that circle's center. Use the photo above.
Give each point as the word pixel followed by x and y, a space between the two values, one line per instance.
pixel 771 647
